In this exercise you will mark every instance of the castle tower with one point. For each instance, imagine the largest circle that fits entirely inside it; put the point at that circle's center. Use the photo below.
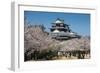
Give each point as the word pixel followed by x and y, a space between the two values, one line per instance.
pixel 61 31
pixel 59 26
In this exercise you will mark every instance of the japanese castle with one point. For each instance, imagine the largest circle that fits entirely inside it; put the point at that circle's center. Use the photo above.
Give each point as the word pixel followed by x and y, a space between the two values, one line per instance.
pixel 61 31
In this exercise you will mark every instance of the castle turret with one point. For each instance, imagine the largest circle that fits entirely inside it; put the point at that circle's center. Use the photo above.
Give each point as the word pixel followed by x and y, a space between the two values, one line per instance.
pixel 59 26
pixel 60 30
